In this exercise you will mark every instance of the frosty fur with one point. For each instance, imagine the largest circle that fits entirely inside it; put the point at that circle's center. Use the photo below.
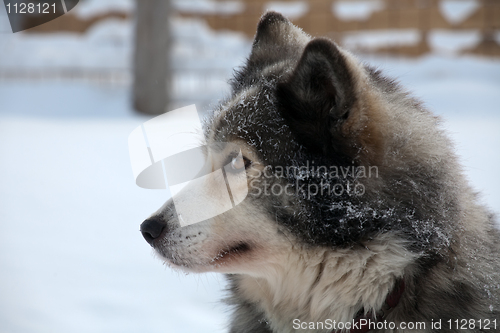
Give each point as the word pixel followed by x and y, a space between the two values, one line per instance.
pixel 292 256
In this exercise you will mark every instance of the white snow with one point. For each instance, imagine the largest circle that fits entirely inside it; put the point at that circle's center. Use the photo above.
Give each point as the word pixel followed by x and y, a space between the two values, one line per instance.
pixel 87 9
pixel 107 44
pixel 197 46
pixel 209 6
pixel 381 38
pixel 356 9
pixel 451 42
pixel 203 60
pixel 456 11
pixel 446 42
pixel 291 9
pixel 71 255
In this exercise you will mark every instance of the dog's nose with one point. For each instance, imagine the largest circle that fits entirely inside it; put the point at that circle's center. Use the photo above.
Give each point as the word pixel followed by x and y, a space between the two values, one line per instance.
pixel 152 228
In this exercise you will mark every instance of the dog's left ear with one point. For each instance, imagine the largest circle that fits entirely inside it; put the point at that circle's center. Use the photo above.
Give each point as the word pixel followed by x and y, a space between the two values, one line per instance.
pixel 276 40
pixel 317 99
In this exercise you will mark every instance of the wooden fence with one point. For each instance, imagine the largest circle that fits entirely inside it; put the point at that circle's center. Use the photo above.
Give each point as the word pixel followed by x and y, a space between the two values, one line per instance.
pixel 320 18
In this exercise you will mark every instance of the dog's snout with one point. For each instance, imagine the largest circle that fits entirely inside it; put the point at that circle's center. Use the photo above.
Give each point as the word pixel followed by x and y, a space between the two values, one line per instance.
pixel 152 228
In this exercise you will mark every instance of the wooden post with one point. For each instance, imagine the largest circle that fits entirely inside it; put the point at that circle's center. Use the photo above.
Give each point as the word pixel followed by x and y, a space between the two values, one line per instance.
pixel 151 56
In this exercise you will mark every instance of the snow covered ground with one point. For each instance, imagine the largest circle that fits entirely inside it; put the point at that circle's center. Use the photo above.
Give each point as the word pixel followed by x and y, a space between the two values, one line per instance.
pixel 71 255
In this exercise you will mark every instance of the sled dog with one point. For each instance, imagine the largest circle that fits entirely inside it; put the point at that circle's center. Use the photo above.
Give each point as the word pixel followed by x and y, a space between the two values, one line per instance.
pixel 358 216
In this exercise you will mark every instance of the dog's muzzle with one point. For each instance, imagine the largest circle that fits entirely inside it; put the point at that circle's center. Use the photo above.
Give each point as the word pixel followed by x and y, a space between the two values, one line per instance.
pixel 153 228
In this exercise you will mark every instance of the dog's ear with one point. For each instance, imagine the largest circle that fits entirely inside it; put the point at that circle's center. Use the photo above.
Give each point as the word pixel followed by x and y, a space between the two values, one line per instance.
pixel 316 100
pixel 277 39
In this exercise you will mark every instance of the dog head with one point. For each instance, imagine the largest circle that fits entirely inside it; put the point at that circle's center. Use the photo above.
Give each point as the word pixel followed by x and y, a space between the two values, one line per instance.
pixel 313 126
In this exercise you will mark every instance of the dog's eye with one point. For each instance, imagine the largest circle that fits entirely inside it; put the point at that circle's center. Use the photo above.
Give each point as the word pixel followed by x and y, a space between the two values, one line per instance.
pixel 239 162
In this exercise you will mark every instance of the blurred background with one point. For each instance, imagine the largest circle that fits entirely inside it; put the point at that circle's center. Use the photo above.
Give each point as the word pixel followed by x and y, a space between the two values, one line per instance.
pixel 71 90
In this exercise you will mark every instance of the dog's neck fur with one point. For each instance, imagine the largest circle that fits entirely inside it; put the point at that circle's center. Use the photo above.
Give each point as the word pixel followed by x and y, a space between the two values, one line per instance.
pixel 313 285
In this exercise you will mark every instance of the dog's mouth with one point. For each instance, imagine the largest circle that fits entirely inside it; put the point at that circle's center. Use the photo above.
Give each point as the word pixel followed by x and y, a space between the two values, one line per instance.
pixel 232 252
pixel 194 259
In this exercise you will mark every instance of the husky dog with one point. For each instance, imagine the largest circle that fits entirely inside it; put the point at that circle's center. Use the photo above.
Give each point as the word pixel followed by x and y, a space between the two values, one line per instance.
pixel 358 217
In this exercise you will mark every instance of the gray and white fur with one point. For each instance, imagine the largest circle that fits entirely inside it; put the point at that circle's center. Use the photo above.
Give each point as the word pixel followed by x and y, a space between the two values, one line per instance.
pixel 294 255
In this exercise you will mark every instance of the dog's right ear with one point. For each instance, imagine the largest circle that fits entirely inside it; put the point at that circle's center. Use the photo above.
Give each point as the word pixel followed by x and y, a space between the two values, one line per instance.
pixel 316 100
pixel 322 105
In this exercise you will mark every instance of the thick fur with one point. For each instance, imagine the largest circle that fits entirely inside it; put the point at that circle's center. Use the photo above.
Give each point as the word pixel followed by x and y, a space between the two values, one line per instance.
pixel 301 101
